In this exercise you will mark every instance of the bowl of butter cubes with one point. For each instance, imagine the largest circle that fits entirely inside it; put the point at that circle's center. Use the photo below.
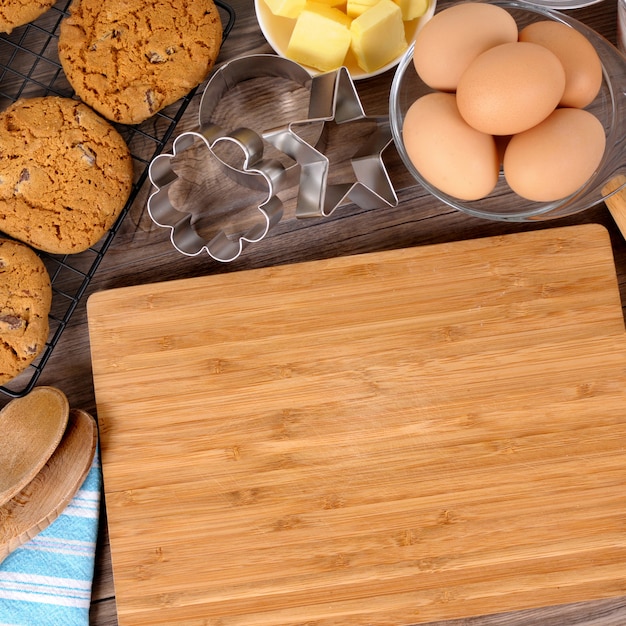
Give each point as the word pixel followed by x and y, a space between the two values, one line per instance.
pixel 368 37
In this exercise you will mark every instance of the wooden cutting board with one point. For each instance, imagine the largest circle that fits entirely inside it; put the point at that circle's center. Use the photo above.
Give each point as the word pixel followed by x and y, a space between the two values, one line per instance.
pixel 384 439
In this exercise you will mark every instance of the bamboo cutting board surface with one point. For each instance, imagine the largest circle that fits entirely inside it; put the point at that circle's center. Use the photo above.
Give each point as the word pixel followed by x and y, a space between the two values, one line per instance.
pixel 385 439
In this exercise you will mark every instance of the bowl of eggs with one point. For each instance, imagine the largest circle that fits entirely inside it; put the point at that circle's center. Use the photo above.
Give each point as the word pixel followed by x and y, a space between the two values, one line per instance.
pixel 511 111
pixel 368 37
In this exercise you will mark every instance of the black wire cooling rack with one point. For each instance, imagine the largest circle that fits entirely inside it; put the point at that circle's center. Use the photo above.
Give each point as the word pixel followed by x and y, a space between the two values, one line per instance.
pixel 30 67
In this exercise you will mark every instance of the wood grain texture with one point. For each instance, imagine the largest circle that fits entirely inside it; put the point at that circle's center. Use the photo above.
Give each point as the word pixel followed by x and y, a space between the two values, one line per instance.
pixel 389 438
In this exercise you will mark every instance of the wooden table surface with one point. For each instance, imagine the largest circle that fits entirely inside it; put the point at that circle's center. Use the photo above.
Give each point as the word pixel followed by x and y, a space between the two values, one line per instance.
pixel 141 253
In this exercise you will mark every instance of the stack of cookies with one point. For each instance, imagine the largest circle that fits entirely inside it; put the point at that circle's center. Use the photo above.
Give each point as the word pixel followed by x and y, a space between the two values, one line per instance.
pixel 66 172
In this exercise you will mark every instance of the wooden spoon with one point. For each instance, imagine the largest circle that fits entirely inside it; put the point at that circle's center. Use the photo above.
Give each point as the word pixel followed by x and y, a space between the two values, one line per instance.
pixel 31 428
pixel 52 489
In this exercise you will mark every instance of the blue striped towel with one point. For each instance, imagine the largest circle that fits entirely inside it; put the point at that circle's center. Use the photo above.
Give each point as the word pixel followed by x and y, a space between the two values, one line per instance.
pixel 47 581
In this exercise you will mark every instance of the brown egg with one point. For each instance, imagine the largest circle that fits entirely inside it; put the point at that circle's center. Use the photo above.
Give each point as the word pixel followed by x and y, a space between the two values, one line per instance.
pixel 583 69
pixel 556 157
pixel 452 156
pixel 510 88
pixel 453 38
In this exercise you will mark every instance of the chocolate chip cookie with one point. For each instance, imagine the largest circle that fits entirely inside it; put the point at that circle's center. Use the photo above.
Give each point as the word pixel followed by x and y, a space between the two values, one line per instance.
pixel 130 59
pixel 65 174
pixel 14 13
pixel 25 300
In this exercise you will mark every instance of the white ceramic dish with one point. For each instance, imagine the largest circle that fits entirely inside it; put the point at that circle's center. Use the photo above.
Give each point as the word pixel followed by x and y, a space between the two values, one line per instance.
pixel 277 31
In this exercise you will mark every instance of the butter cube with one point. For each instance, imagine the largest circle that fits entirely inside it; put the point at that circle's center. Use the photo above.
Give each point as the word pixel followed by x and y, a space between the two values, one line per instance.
pixel 286 8
pixel 320 38
pixel 412 9
pixel 333 3
pixel 354 8
pixel 326 10
pixel 378 35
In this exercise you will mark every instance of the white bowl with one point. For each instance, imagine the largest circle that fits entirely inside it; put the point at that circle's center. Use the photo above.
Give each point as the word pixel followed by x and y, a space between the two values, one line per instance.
pixel 277 31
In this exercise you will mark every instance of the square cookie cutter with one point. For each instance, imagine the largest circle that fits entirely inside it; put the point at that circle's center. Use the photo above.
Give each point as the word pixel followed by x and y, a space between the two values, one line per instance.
pixel 332 100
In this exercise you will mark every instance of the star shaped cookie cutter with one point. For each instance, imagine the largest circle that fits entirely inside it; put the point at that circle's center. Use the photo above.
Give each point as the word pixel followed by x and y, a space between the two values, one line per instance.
pixel 334 98
pixel 255 173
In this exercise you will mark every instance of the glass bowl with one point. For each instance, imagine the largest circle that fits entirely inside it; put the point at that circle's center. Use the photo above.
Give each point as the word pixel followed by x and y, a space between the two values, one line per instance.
pixel 609 106
pixel 564 5
pixel 277 31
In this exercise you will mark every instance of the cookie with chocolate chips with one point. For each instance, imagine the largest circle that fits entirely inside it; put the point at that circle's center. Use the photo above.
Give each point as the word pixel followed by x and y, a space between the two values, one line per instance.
pixel 65 174
pixel 25 300
pixel 128 60
pixel 14 14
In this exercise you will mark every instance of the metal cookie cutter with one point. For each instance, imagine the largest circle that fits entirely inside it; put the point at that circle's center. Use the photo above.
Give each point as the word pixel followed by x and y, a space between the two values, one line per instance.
pixel 334 98
pixel 329 100
pixel 266 67
pixel 255 173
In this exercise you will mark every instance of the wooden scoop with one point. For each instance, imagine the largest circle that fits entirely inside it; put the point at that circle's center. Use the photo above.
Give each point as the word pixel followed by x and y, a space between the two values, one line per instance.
pixel 37 505
pixel 31 428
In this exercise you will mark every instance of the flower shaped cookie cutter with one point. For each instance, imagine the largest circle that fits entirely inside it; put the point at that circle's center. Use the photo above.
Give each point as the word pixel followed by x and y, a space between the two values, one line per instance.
pixel 255 173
